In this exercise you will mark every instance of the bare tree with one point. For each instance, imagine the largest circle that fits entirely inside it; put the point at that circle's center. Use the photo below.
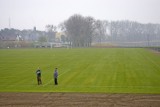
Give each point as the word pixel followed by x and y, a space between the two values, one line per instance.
pixel 51 31
pixel 79 30
pixel 100 31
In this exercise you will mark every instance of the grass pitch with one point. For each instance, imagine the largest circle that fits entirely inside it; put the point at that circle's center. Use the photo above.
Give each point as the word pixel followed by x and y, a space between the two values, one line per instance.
pixel 109 70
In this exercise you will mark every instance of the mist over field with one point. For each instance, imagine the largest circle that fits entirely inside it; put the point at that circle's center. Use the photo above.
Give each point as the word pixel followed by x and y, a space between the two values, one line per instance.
pixel 83 23
pixel 106 46
pixel 82 53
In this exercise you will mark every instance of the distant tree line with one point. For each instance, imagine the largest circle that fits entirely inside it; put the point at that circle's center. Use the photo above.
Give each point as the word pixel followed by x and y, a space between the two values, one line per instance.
pixel 129 31
pixel 80 31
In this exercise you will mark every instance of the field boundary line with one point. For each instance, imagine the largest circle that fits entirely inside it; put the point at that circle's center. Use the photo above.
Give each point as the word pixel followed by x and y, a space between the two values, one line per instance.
pixel 152 61
pixel 90 86
pixel 53 79
pixel 149 59
pixel 111 86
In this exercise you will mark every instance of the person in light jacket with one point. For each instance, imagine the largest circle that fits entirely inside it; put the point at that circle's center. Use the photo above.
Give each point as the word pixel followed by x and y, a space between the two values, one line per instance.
pixel 56 76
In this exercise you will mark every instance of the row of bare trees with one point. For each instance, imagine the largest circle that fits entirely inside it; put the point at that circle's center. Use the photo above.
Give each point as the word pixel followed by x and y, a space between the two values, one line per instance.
pixel 82 31
pixel 134 32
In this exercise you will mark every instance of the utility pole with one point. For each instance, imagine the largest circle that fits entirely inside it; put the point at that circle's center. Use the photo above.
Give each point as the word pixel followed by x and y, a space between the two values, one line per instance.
pixel 9 23
pixel 148 40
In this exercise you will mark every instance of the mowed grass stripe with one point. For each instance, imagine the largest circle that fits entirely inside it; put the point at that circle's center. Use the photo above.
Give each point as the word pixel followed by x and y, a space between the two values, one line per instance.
pixel 113 70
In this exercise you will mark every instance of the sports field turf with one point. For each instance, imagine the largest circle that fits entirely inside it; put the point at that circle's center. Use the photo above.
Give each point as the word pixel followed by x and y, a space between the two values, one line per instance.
pixel 109 70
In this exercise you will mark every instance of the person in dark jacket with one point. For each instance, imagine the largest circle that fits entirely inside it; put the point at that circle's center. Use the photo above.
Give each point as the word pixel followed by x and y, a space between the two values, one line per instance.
pixel 38 72
pixel 56 76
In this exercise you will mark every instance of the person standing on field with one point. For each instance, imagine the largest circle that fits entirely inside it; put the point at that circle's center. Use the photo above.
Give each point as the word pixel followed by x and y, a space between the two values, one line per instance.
pixel 56 76
pixel 38 72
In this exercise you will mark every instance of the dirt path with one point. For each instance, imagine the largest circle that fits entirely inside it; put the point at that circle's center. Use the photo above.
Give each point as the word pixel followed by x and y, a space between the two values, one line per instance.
pixel 78 100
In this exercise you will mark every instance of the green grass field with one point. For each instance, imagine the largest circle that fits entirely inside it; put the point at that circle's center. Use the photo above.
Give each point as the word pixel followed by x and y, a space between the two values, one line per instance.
pixel 110 70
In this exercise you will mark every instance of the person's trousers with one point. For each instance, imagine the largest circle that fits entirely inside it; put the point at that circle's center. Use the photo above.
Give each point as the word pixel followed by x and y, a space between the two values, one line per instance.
pixel 55 81
pixel 39 80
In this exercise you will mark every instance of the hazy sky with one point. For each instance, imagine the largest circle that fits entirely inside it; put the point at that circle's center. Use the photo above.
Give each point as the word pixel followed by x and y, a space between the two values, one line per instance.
pixel 25 14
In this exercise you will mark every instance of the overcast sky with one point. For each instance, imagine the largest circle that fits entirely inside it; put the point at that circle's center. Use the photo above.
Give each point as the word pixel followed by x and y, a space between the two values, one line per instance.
pixel 25 14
